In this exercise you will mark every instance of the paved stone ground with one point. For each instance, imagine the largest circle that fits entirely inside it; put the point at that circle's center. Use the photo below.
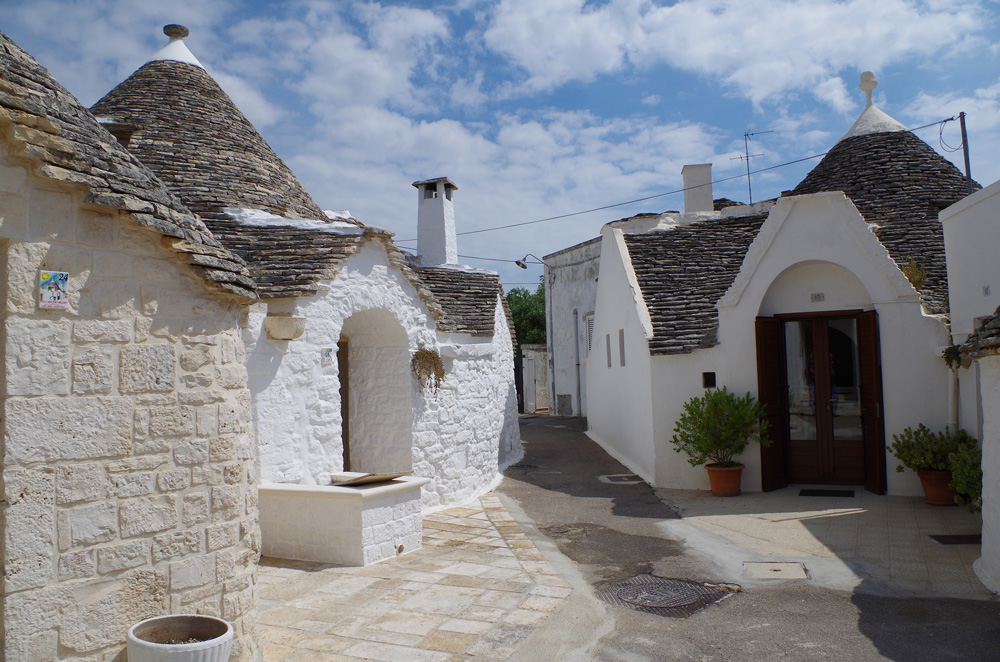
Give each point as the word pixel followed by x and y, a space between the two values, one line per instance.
pixel 883 538
pixel 477 589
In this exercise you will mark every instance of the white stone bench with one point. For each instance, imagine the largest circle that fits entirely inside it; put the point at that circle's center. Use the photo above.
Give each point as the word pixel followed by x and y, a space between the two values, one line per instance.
pixel 344 525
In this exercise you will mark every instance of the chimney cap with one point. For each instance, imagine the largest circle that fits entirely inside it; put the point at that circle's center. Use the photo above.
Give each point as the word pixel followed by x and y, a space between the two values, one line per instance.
pixel 427 182
pixel 175 31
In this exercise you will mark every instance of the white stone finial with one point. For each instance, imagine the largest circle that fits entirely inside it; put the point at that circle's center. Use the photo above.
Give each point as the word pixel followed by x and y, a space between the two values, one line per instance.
pixel 176 50
pixel 175 31
pixel 868 84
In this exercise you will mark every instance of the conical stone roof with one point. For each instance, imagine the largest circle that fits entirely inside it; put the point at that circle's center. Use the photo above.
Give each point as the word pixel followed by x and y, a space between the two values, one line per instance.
pixel 45 124
pixel 192 135
pixel 899 184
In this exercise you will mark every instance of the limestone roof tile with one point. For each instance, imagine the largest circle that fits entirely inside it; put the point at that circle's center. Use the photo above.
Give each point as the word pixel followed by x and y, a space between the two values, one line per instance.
pixel 48 126
pixel 683 272
pixel 985 340
pixel 192 135
pixel 899 184
pixel 468 298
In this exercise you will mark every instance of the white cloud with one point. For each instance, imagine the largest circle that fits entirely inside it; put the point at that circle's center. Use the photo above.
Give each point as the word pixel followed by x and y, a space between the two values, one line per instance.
pixel 982 109
pixel 759 48
pixel 651 100
pixel 562 40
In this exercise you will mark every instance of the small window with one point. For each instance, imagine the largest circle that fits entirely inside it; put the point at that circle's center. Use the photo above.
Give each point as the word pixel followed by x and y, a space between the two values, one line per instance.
pixel 708 380
pixel 621 345
pixel 447 192
pixel 430 193
pixel 589 321
pixel 608 339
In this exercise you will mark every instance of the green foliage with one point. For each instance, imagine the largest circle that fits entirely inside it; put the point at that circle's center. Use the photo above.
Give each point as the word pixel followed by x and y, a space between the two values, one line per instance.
pixel 528 310
pixel 952 356
pixel 915 272
pixel 922 449
pixel 717 427
pixel 967 476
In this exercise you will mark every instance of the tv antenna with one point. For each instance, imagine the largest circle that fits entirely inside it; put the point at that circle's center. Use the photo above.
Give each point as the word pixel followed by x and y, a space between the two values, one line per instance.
pixel 746 156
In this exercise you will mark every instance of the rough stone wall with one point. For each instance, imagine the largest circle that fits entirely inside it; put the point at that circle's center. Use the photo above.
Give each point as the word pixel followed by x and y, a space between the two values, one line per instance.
pixel 128 466
pixel 457 432
pixel 296 398
pixel 467 429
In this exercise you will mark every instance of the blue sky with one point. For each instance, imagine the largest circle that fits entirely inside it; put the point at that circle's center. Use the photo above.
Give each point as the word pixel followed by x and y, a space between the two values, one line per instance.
pixel 540 108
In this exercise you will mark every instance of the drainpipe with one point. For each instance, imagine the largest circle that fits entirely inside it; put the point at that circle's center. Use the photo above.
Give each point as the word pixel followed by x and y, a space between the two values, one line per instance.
pixel 578 409
pixel 953 400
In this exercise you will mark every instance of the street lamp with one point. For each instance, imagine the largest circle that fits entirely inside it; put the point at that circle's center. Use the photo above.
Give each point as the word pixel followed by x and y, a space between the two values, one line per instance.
pixel 523 262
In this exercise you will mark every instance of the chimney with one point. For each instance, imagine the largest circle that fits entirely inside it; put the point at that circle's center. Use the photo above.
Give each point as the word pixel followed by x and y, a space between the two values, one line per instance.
pixel 436 243
pixel 698 188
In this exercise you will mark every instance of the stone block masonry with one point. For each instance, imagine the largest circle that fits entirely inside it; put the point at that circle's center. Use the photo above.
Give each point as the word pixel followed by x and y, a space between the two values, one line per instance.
pixel 129 463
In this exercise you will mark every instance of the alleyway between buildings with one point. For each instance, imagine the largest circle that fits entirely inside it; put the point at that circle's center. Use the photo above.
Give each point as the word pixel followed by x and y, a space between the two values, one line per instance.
pixel 520 575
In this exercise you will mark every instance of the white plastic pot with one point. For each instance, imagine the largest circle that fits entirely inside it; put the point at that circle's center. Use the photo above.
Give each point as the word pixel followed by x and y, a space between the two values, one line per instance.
pixel 180 638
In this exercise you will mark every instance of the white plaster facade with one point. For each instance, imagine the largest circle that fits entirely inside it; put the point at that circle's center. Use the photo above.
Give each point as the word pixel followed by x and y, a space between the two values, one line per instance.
pixel 570 292
pixel 458 436
pixel 129 463
pixel 808 244
pixel 987 566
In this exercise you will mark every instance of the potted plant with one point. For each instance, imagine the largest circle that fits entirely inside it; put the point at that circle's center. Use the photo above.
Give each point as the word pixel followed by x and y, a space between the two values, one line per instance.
pixel 967 476
pixel 926 453
pixel 714 430
pixel 180 638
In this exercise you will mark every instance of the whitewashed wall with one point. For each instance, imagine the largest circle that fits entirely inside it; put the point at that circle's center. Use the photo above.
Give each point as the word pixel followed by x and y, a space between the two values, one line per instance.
pixel 453 435
pixel 571 286
pixel 620 409
pixel 987 567
pixel 971 234
pixel 467 429
pixel 820 243
pixel 128 467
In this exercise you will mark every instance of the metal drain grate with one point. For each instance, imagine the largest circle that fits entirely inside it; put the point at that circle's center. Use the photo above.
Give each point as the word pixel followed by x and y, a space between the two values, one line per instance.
pixel 678 598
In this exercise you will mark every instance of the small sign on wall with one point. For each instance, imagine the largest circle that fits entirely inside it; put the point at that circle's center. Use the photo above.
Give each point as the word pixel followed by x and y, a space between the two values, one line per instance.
pixel 326 356
pixel 52 290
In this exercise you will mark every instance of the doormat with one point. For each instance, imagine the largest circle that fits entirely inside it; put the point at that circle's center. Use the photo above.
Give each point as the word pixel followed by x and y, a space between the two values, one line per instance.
pixel 826 493
pixel 959 539
pixel 677 598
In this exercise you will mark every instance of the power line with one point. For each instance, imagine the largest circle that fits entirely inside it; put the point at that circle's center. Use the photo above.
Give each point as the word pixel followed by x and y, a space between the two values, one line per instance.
pixel 661 195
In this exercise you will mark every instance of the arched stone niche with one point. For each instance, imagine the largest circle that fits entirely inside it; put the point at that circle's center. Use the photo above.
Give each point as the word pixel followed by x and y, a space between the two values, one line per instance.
pixel 380 411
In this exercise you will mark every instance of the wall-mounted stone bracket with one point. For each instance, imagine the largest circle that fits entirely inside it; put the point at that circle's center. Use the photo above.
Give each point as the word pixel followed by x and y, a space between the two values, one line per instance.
pixel 284 327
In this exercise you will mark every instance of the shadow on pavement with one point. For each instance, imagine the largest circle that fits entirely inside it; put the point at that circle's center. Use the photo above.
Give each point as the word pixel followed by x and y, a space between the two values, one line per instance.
pixel 559 457
pixel 925 630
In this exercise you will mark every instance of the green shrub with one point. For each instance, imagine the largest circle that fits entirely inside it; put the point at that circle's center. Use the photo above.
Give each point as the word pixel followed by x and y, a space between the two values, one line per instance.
pixel 717 427
pixel 967 476
pixel 922 449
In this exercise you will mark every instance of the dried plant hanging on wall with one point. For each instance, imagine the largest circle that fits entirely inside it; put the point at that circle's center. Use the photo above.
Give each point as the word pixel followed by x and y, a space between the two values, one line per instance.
pixel 428 367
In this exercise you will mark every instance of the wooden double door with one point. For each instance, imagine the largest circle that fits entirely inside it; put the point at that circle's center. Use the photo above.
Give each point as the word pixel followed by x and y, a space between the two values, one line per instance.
pixel 820 381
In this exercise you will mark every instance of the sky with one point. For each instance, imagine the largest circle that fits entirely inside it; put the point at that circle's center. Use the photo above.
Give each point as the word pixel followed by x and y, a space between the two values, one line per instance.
pixel 542 108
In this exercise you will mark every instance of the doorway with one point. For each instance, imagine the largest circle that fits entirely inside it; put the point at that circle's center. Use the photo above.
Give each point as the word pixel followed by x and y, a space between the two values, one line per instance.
pixel 343 366
pixel 819 378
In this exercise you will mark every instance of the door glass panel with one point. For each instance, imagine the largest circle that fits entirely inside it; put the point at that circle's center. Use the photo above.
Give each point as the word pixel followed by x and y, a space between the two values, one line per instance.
pixel 845 391
pixel 801 391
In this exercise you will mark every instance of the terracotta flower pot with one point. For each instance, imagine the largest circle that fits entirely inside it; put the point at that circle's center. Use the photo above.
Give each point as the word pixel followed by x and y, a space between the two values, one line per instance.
pixel 936 489
pixel 724 481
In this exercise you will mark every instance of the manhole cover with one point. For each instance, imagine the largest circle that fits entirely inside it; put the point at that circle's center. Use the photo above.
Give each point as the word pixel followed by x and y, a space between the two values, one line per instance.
pixel 665 597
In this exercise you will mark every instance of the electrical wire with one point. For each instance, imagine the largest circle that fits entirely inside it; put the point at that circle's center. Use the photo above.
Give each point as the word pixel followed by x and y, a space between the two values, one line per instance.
pixel 660 195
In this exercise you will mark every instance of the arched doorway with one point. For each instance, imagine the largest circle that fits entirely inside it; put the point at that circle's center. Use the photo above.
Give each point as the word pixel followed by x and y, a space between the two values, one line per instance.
pixel 377 427
pixel 819 377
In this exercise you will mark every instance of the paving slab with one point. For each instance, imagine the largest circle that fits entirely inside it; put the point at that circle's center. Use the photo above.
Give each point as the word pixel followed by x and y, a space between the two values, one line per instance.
pixel 477 589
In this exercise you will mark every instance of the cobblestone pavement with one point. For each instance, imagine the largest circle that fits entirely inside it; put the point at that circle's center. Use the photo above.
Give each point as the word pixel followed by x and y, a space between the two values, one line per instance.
pixel 477 589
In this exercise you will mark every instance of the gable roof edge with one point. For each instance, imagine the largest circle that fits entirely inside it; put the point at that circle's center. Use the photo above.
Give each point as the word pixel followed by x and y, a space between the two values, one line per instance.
pixel 638 300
